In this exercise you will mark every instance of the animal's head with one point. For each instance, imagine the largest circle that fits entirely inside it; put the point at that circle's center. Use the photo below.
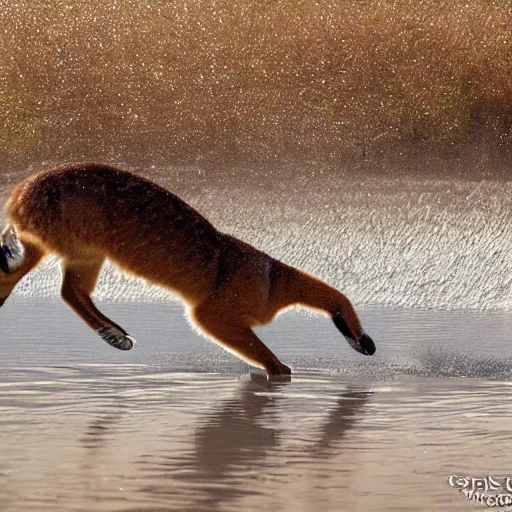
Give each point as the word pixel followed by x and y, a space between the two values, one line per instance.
pixel 348 324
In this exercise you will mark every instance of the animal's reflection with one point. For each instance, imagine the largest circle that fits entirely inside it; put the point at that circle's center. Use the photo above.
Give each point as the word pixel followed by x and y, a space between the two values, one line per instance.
pixel 244 434
pixel 240 435
pixel 342 418
pixel 233 436
pixel 98 432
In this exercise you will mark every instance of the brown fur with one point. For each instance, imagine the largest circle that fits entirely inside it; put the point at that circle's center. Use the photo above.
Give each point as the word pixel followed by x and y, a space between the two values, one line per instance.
pixel 85 213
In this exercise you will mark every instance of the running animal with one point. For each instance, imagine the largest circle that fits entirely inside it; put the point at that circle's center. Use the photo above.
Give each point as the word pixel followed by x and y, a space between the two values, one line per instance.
pixel 85 213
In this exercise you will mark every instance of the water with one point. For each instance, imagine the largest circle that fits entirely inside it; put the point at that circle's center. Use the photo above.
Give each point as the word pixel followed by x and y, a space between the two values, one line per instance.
pixel 179 424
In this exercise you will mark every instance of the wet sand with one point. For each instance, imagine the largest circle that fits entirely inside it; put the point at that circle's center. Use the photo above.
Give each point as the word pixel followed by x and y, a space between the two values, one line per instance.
pixel 179 424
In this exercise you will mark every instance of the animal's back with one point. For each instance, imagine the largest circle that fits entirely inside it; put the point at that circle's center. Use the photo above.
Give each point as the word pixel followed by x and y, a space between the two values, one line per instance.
pixel 91 209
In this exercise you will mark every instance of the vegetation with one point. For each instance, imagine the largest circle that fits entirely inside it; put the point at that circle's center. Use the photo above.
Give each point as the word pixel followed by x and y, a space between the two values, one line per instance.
pixel 252 80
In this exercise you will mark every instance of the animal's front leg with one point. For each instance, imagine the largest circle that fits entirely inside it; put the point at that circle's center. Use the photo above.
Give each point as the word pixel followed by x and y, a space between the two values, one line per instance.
pixel 77 285
pixel 231 332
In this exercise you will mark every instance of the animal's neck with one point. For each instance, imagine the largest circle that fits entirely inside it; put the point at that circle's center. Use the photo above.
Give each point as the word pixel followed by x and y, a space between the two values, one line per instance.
pixel 316 294
pixel 297 287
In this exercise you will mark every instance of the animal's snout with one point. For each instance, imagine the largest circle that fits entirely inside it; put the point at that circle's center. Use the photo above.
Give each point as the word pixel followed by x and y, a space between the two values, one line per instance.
pixel 367 345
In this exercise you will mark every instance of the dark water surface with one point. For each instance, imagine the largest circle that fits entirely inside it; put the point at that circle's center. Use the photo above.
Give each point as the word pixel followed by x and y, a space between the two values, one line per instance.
pixel 178 424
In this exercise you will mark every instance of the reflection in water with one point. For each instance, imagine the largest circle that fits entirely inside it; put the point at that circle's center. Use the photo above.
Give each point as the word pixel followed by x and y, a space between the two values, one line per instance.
pixel 103 440
pixel 242 438
pixel 230 440
pixel 348 410
pixel 97 433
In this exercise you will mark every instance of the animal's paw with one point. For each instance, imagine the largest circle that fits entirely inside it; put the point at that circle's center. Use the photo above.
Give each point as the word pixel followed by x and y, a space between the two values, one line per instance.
pixel 116 338
pixel 279 369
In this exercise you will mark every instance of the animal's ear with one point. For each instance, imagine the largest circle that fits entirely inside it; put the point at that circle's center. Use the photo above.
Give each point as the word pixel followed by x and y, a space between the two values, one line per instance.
pixel 4 266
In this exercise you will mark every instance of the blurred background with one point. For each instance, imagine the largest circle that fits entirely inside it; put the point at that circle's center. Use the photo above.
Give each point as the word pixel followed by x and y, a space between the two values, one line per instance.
pixel 223 82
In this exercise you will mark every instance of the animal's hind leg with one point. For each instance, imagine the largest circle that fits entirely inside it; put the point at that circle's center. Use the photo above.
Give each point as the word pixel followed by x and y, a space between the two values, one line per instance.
pixel 231 332
pixel 77 285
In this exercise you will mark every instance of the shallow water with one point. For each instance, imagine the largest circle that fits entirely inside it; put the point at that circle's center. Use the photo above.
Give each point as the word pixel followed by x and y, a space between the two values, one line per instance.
pixel 179 424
